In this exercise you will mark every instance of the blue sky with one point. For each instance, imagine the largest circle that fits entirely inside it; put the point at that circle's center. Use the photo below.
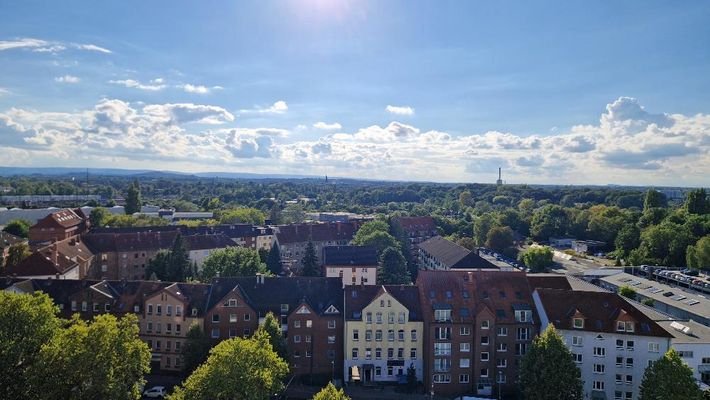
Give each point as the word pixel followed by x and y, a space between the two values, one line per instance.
pixel 554 92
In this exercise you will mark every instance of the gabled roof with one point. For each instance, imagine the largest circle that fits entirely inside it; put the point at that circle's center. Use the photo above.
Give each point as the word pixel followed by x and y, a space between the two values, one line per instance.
pixel 56 258
pixel 205 242
pixel 413 224
pixel 600 309
pixel 452 255
pixel 350 255
pixel 359 297
pixel 66 218
pixel 299 233
pixel 7 240
pixel 130 241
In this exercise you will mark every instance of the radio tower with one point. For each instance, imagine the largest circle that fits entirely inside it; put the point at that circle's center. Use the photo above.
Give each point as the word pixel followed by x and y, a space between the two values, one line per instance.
pixel 500 180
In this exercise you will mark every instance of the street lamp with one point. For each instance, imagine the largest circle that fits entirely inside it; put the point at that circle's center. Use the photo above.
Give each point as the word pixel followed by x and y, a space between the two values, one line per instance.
pixel 500 378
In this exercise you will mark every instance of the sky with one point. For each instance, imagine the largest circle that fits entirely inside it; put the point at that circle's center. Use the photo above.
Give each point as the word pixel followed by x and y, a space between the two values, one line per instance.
pixel 568 92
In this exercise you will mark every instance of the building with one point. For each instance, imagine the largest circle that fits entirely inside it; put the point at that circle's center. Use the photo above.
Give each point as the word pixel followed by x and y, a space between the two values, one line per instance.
pixel 611 340
pixel 438 253
pixel 6 241
pixel 692 342
pixel 477 326
pixel 417 230
pixel 68 258
pixel 354 265
pixel 59 225
pixel 383 333
pixel 293 240
pixel 310 311
pixel 201 246
pixel 587 246
pixel 679 302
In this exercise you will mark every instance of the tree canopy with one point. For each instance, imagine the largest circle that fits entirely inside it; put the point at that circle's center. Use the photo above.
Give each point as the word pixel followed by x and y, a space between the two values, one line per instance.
pixel 232 261
pixel 310 261
pixel 669 378
pixel 244 215
pixel 133 198
pixel 18 227
pixel 272 327
pixel 547 371
pixel 330 392
pixel 537 258
pixel 393 268
pixel 273 260
pixel 196 348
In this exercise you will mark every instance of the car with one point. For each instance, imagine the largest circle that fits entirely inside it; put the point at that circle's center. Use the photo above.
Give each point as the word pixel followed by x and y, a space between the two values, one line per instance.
pixel 156 392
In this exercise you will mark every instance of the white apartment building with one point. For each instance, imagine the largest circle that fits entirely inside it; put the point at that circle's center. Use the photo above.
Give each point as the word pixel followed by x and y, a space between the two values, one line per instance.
pixel 692 342
pixel 612 341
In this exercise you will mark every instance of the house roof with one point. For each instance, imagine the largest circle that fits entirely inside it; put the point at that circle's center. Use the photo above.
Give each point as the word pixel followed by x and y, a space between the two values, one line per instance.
pixel 58 257
pixel 204 242
pixel 413 224
pixel 501 292
pixel 130 241
pixel 359 297
pixel 452 255
pixel 600 310
pixel 319 293
pixel 350 255
pixel 549 281
pixel 7 240
pixel 299 233
pixel 65 218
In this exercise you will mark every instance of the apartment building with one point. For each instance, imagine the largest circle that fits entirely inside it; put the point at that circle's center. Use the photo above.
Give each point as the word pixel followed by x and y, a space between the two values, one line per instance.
pixel 611 340
pixel 355 265
pixel 293 240
pixel 383 333
pixel 438 253
pixel 59 225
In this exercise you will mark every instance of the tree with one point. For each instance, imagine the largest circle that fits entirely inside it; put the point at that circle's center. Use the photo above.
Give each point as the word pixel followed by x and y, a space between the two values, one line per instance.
pixel 628 292
pixel 196 349
pixel 178 268
pixel 378 239
pixel 698 256
pixel 466 242
pixel 242 215
pixel 697 202
pixel 17 253
pixel 26 323
pixel 548 221
pixel 18 227
pixel 245 369
pixel 499 238
pixel 102 359
pixel 232 261
pixel 293 214
pixel 310 261
pixel 369 228
pixel 272 327
pixel 665 244
pixel 547 371
pixel 393 268
pixel 654 199
pixel 330 392
pixel 669 378
pixel 98 217
pixel 537 258
pixel 628 238
pixel 465 199
pixel 273 260
pixel 133 199
pixel 411 378
pixel 481 226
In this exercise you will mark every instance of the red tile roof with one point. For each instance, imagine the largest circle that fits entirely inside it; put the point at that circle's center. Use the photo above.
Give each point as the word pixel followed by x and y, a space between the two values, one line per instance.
pixel 412 224
pixel 299 233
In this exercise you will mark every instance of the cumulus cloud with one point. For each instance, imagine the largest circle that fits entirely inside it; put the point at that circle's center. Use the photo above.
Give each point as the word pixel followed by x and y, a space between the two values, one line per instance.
pixel 46 46
pixel 400 110
pixel 187 112
pixel 278 107
pixel 67 79
pixel 199 89
pixel 153 86
pixel 326 126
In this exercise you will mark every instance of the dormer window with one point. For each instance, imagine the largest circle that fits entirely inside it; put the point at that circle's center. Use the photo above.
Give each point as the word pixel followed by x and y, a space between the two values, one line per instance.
pixel 232 303
pixel 578 323
pixel 625 326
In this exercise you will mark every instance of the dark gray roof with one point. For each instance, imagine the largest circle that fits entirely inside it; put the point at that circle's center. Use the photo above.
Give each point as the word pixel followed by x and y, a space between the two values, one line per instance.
pixel 350 255
pixel 452 255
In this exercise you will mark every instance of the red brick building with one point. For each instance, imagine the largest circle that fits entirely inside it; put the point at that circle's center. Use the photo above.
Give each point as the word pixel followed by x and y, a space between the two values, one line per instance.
pixel 59 225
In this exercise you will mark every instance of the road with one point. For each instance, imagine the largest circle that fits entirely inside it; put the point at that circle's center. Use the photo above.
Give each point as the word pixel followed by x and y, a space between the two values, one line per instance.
pixel 575 266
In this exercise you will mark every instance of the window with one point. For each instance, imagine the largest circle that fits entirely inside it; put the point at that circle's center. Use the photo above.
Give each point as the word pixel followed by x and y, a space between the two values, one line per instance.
pixel 619 344
pixel 630 345
pixel 578 323
pixel 390 354
pixel 502 347
pixel 620 326
pixel 168 327
pixel 577 341
pixel 599 352
pixel 378 317
pixel 523 334
pixel 158 309
pixel 599 368
pixel 73 305
pixel 368 318
pixel 629 379
pixel 247 317
pixel 464 363
pixel 83 306
pixel 96 307
pixel 502 331
pixel 484 340
pixel 390 335
pixel 685 354
pixel 500 378
pixel 215 318
pixel 484 372
pixel 630 326
pixel 523 316
pixel 464 331
pixel 215 333
pixel 486 324
pixel 501 363
pixel 368 335
pixel 442 315
pixel 378 353
pixel 577 358
pixel 150 327
pixel 442 378
pixel 400 353
pixel 177 329
pixel 414 335
pixel 309 354
pixel 653 347
pixel 628 395
pixel 464 347
pixel 400 335
pixel 178 310
pixel 442 333
pixel 284 308
pixel 168 345
pixel 232 317
pixel 297 354
pixel 629 362
pixel 402 319
pixel 442 349
pixel 485 356
pixel 158 328
pixel 331 324
pixel 356 335
pixel 619 379
pixel 297 324
pixel 413 353
pixel 382 303
pixel 521 349
pixel 309 323
pixel 442 364
pixel 390 317
pixel 177 346
pixel 232 303
pixel 308 338
pixel 598 385
pixel 378 335
pixel 619 361
pixel 463 378
pixel 355 353
pixel 368 354
pixel 297 338
pixel 378 371
pixel 157 344
pixel 169 310
pixel 232 332
pixel 136 308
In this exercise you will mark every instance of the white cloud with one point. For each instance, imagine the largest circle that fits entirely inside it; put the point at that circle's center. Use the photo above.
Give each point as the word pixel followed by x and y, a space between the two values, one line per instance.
pixel 92 47
pixel 326 126
pixel 154 85
pixel 278 107
pixel 199 89
pixel 67 79
pixel 22 43
pixel 400 110
pixel 45 46
pixel 4 91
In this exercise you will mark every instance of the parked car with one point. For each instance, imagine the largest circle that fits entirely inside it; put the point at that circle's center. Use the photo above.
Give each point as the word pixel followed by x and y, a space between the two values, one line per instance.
pixel 156 392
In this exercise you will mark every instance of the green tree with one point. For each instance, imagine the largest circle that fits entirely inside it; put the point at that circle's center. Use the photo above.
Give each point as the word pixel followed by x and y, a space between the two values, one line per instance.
pixel 411 378
pixel 465 199
pixel 369 228
pixel 242 216
pixel 98 217
pixel 669 378
pixel 310 261
pixel 654 199
pixel 102 359
pixel 196 349
pixel 293 214
pixel 537 258
pixel 17 253
pixel 698 256
pixel 697 202
pixel 628 292
pixel 547 371
pixel 272 327
pixel 380 240
pixel 232 261
pixel 133 199
pixel 26 323
pixel 245 369
pixel 628 238
pixel 548 221
pixel 499 238
pixel 393 269
pixel 273 260
pixel 178 268
pixel 604 222
pixel 330 392
pixel 18 227
pixel 665 244
pixel 481 226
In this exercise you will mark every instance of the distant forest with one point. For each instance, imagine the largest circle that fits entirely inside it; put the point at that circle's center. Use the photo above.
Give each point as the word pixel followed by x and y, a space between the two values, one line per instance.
pixel 638 226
